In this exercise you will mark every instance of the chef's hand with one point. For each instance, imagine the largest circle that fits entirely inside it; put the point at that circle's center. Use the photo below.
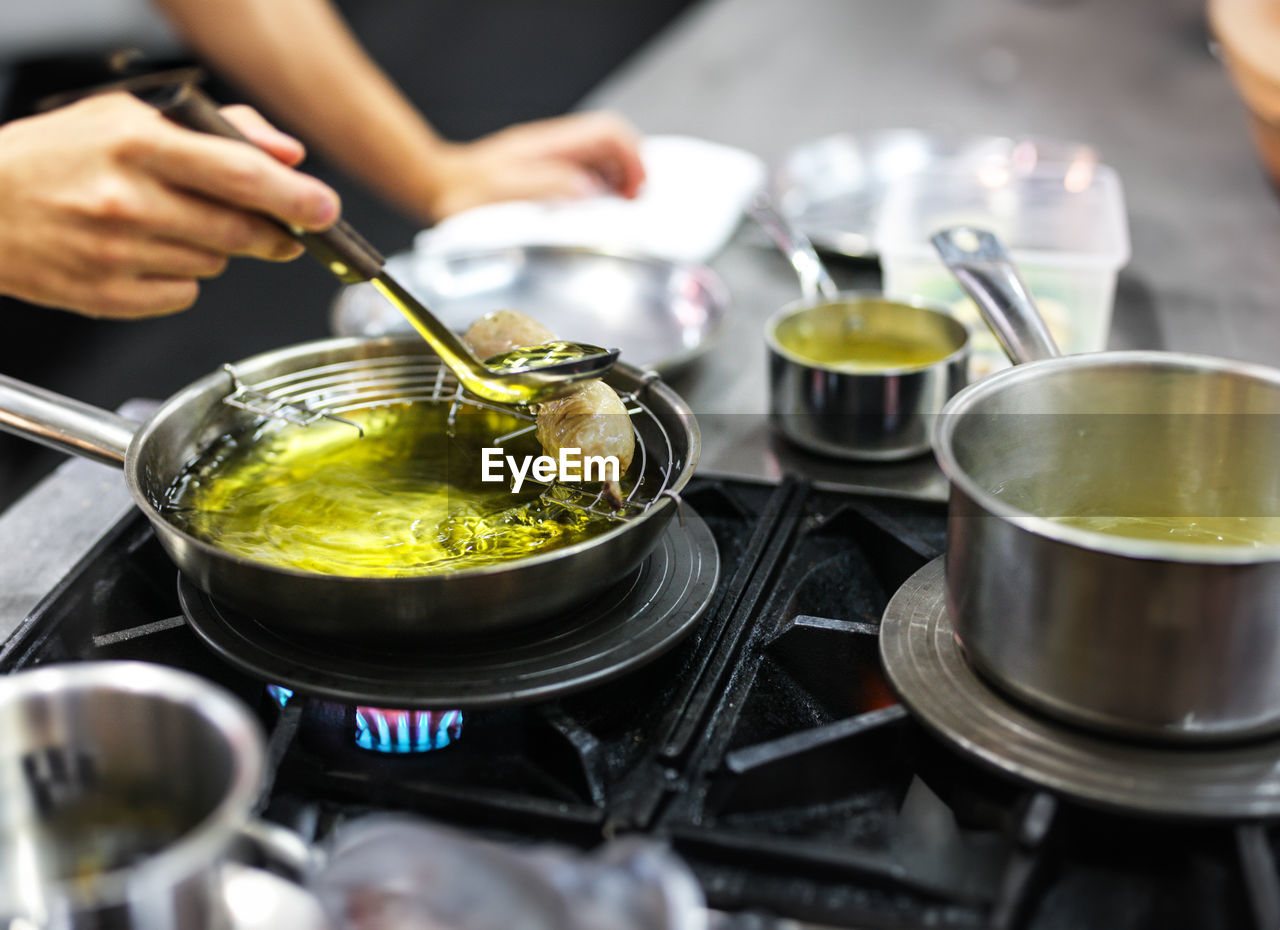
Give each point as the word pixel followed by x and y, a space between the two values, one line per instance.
pixel 111 210
pixel 566 156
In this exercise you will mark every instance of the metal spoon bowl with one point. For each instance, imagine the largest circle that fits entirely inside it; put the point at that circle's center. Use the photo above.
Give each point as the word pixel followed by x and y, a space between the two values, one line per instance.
pixel 525 375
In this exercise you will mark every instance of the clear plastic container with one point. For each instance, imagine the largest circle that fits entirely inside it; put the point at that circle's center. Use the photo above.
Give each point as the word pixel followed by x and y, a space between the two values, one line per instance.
pixel 1064 224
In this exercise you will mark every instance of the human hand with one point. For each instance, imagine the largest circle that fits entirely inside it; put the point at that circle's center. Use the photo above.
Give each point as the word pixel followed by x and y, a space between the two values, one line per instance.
pixel 567 156
pixel 111 210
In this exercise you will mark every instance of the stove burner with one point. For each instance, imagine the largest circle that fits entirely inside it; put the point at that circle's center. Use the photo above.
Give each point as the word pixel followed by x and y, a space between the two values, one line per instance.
pixel 396 732
pixel 401 732
pixel 928 670
pixel 622 628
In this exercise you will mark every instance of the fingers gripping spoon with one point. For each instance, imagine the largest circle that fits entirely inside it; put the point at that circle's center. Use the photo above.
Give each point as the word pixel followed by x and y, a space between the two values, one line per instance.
pixel 522 376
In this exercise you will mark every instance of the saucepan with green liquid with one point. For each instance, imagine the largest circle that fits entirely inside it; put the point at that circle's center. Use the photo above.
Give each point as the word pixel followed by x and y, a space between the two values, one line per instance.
pixel 1113 533
pixel 862 376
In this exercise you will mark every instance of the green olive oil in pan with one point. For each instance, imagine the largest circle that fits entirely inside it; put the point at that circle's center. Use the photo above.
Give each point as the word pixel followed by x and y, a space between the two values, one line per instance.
pixel 1257 532
pixel 406 499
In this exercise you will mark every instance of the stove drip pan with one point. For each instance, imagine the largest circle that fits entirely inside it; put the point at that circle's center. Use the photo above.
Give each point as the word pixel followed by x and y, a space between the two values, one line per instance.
pixel 927 669
pixel 620 629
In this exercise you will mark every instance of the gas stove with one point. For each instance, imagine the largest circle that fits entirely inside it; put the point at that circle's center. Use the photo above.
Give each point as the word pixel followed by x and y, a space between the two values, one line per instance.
pixel 764 743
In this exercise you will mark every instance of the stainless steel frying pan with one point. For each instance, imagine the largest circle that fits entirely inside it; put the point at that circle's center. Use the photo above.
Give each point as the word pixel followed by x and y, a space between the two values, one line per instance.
pixel 335 375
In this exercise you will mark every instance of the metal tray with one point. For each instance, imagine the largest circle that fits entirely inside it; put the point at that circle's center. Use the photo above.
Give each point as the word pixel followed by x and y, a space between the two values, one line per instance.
pixel 661 314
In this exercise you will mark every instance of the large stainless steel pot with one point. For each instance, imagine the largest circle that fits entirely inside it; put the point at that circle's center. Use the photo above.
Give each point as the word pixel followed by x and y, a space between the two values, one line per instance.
pixel 475 600
pixel 1154 638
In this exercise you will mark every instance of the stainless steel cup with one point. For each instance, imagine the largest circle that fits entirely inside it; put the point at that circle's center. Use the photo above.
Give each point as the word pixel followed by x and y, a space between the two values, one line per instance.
pixel 123 786
pixel 856 411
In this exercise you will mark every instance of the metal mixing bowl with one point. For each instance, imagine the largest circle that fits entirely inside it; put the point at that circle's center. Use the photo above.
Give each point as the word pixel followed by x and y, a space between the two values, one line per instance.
pixel 661 314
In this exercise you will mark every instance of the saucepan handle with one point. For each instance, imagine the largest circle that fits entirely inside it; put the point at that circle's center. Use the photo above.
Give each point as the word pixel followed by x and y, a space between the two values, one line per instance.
pixel 816 283
pixel 66 424
pixel 340 248
pixel 987 273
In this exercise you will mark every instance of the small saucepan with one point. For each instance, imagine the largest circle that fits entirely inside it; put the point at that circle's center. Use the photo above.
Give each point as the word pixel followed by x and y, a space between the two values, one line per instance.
pixel 855 374
pixel 1113 547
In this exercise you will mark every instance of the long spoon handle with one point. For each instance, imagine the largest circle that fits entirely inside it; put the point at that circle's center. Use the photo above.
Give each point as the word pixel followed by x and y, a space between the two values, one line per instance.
pixel 340 248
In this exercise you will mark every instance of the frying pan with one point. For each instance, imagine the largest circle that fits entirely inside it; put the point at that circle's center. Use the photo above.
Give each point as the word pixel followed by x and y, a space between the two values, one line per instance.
pixel 339 374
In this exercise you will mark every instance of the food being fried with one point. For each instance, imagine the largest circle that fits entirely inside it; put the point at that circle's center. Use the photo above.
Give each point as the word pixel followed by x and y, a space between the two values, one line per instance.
pixel 504 330
pixel 591 418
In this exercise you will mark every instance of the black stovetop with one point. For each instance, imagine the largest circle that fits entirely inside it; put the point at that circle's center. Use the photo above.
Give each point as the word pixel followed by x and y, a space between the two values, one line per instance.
pixel 766 747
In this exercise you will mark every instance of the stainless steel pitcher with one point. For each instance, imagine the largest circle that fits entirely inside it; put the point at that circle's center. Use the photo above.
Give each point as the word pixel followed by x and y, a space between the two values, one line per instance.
pixel 123 788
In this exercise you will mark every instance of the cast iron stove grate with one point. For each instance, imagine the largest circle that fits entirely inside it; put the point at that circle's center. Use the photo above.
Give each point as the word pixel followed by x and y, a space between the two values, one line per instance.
pixel 765 746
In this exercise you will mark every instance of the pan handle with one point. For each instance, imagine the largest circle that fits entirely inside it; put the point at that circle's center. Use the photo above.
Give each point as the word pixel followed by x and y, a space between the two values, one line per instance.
pixel 987 273
pixel 816 283
pixel 65 424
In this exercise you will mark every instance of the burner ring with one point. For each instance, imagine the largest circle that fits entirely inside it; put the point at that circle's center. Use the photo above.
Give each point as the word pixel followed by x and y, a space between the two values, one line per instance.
pixel 623 627
pixel 927 669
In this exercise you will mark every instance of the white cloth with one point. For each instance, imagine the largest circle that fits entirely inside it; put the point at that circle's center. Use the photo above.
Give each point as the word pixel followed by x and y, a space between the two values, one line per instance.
pixel 693 198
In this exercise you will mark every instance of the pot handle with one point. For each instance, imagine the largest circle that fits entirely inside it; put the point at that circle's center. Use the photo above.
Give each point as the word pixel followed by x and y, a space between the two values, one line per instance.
pixel 987 274
pixel 816 283
pixel 66 424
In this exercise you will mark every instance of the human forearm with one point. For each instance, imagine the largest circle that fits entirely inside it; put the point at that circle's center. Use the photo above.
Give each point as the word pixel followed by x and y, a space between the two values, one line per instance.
pixel 299 60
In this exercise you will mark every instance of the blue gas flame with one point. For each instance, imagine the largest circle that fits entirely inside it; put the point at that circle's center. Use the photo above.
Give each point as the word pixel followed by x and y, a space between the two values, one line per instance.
pixel 406 731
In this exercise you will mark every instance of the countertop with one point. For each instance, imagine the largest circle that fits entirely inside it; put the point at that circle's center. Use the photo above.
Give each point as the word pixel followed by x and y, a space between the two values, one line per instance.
pixel 1137 80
